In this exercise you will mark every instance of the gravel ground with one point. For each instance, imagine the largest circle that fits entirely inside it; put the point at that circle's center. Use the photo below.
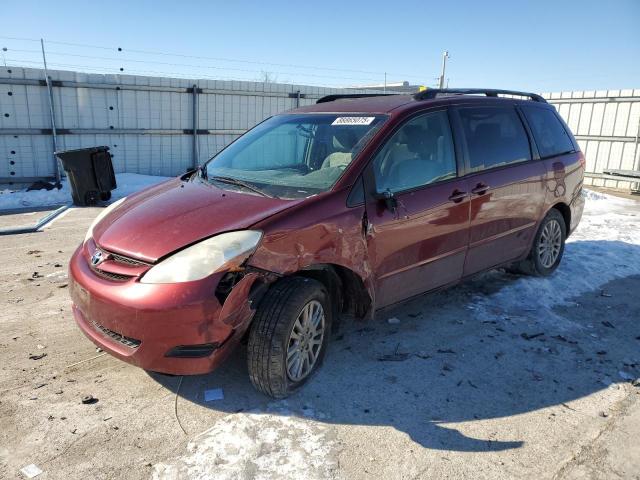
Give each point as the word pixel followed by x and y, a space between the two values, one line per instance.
pixel 478 381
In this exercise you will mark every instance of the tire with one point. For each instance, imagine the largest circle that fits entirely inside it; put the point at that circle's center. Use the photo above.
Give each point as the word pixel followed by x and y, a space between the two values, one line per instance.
pixel 552 227
pixel 270 337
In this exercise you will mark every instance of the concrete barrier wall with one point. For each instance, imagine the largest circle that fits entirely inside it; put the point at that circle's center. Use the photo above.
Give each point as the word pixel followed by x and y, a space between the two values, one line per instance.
pixel 147 122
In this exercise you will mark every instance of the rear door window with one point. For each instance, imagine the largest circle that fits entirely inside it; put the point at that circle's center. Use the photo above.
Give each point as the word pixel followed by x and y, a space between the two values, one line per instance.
pixel 494 136
pixel 550 135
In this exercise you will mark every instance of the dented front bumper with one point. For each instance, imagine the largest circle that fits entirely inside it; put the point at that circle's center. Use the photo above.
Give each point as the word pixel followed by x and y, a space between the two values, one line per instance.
pixel 180 328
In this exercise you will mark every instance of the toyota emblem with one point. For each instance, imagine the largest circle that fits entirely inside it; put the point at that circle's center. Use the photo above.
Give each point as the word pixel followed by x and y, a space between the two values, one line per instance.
pixel 97 258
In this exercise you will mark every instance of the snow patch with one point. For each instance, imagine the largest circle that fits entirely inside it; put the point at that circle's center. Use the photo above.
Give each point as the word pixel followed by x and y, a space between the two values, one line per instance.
pixel 605 246
pixel 256 446
pixel 128 183
pixel 593 195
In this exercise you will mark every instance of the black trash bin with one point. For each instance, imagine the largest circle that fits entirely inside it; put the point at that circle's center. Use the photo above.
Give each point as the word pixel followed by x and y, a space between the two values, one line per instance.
pixel 90 173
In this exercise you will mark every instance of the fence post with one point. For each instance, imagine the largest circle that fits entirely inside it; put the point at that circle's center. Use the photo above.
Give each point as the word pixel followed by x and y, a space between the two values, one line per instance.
pixel 636 163
pixel 196 155
pixel 54 134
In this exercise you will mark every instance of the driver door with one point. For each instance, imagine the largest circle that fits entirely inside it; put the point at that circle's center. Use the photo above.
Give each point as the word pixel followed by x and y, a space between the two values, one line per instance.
pixel 418 235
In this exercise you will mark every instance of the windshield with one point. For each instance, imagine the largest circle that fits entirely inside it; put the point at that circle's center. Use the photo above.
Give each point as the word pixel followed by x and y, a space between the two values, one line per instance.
pixel 293 156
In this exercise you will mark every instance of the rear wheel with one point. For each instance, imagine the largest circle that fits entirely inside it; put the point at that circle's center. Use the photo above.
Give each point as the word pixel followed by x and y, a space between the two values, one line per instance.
pixel 548 247
pixel 289 336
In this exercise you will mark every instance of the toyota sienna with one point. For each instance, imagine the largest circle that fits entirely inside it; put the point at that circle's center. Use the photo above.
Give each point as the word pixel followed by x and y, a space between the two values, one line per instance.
pixel 350 205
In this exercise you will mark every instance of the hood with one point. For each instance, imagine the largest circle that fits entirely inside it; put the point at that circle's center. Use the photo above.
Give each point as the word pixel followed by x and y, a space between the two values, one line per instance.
pixel 164 218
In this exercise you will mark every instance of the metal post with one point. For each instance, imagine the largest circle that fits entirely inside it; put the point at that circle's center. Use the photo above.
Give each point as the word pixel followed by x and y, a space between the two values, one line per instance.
pixel 385 83
pixel 445 55
pixel 636 165
pixel 613 132
pixel 297 98
pixel 54 133
pixel 196 156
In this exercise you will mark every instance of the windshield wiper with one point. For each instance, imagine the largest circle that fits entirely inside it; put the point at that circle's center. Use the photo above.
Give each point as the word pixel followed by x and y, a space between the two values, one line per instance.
pixel 240 183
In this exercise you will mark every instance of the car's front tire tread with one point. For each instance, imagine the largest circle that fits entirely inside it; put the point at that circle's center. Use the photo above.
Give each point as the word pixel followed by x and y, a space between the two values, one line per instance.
pixel 270 332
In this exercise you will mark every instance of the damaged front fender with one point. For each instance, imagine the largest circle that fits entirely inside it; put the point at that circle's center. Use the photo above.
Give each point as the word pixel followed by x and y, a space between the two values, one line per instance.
pixel 287 249
pixel 238 307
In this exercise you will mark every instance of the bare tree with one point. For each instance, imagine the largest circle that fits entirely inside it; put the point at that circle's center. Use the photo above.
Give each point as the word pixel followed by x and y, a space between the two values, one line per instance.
pixel 268 77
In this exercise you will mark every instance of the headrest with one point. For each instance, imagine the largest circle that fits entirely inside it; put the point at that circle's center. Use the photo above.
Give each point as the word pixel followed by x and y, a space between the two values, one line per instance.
pixel 415 136
pixel 344 139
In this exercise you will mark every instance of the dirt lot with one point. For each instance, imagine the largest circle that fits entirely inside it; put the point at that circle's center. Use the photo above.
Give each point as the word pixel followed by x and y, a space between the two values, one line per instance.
pixel 500 377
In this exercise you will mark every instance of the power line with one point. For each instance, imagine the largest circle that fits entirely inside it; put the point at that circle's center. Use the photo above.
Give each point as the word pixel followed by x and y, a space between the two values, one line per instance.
pixel 254 62
pixel 117 70
pixel 189 65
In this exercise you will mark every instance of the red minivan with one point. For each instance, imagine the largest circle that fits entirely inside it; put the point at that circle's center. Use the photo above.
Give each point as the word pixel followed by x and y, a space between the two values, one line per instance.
pixel 347 206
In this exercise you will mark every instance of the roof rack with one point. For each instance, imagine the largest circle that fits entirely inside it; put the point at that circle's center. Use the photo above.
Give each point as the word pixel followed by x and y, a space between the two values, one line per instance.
pixel 331 98
pixel 430 94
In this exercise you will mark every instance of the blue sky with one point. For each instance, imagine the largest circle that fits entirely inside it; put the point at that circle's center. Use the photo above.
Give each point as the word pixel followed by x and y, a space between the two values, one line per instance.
pixel 529 45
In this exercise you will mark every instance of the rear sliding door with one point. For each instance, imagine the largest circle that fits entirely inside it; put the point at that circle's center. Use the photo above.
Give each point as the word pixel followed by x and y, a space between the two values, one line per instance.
pixel 507 186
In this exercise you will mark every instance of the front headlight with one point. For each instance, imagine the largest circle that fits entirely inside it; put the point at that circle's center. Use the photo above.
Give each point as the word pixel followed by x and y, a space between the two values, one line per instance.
pixel 204 258
pixel 103 214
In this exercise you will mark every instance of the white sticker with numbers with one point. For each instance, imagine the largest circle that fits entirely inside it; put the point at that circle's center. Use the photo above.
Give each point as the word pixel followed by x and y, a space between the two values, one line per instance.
pixel 353 121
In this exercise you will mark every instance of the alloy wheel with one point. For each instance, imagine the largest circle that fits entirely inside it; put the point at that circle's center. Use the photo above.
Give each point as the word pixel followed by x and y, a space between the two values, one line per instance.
pixel 305 341
pixel 550 243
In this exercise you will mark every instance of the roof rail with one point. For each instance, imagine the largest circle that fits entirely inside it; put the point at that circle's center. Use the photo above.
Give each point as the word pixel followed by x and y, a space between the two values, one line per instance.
pixel 338 96
pixel 430 93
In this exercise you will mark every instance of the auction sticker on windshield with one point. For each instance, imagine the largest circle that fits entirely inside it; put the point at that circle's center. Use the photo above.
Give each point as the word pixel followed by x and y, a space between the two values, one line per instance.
pixel 353 121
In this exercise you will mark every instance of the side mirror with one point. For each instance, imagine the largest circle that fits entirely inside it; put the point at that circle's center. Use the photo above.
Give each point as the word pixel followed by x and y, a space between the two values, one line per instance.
pixel 389 199
pixel 189 172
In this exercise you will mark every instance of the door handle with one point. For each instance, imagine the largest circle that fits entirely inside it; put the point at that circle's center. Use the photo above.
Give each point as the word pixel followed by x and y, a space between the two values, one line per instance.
pixel 480 189
pixel 457 196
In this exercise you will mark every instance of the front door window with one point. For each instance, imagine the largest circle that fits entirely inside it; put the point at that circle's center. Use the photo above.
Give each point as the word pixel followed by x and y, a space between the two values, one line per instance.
pixel 419 153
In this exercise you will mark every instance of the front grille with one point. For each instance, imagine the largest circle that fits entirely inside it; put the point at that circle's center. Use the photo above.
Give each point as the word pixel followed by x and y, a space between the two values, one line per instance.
pixel 116 277
pixel 127 341
pixel 127 267
pixel 128 261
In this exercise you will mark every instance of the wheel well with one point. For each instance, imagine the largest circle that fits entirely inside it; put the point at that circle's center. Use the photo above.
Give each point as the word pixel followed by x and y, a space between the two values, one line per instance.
pixel 345 287
pixel 564 209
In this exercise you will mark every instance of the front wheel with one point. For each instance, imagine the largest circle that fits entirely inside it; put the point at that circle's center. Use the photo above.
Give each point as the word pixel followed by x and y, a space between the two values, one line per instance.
pixel 548 246
pixel 289 335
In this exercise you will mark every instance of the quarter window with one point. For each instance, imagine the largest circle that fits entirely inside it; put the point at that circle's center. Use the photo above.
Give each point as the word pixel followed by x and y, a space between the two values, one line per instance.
pixel 419 153
pixel 495 136
pixel 550 136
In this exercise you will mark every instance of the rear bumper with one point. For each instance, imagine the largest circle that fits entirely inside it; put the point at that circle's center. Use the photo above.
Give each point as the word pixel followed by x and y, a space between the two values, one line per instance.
pixel 154 319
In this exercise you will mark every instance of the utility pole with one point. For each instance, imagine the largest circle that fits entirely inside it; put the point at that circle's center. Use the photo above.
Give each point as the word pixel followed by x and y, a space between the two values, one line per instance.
pixel 54 134
pixel 445 55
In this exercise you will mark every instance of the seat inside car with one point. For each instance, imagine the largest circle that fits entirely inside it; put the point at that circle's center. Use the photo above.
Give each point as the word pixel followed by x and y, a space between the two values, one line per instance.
pixel 422 164
pixel 344 140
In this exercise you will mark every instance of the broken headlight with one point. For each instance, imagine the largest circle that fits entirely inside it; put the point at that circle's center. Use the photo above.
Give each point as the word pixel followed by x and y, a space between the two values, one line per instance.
pixel 205 257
